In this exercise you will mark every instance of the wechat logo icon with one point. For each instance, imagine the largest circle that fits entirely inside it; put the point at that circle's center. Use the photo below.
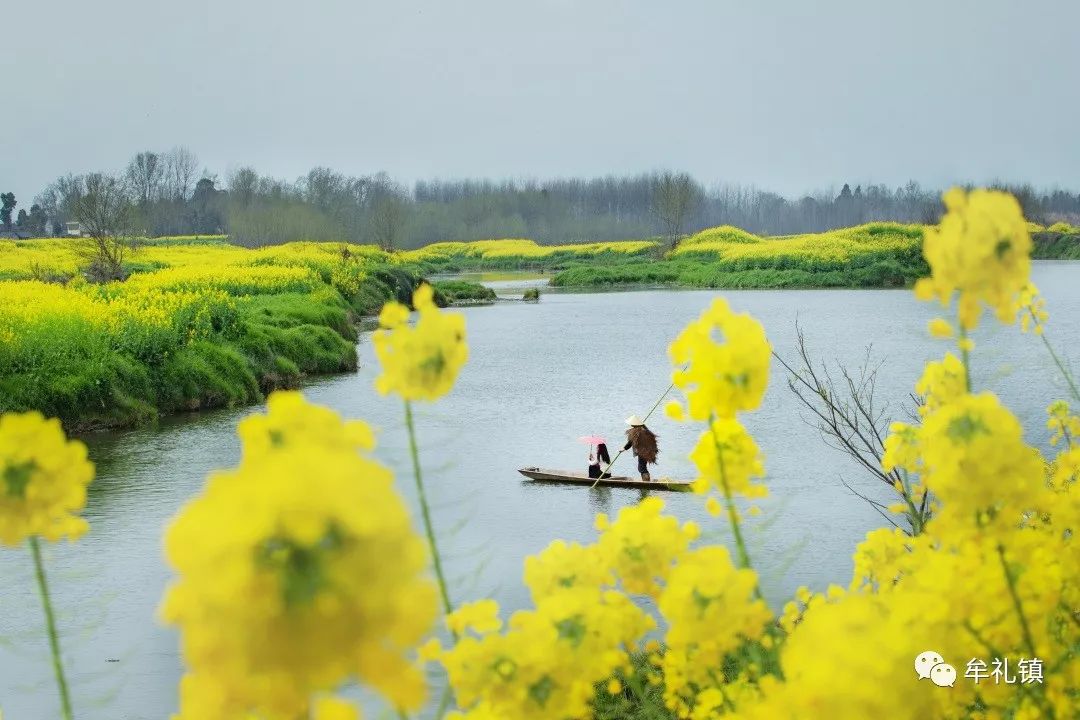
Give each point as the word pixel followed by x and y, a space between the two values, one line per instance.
pixel 931 666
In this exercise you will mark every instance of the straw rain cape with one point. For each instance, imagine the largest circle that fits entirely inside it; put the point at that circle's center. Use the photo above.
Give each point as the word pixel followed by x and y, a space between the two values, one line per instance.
pixel 643 441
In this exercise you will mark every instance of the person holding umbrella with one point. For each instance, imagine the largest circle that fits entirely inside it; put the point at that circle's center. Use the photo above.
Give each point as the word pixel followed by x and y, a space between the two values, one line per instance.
pixel 598 459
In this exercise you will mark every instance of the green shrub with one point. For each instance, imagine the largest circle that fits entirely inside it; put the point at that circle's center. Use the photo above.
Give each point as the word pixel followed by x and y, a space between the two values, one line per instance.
pixel 458 290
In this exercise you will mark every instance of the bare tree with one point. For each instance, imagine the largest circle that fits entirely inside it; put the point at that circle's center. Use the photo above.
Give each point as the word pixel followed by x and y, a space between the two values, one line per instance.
pixel 386 221
pixel 386 206
pixel 675 197
pixel 243 184
pixel 144 174
pixel 850 419
pixel 104 211
pixel 58 199
pixel 180 169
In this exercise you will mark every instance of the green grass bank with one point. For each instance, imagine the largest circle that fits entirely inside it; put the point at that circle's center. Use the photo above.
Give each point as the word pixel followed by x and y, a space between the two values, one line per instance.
pixel 221 350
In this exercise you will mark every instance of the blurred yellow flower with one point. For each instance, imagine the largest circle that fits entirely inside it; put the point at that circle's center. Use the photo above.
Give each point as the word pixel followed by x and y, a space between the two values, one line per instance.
pixel 43 479
pixel 710 609
pixel 297 571
pixel 675 411
pixel 980 251
pixel 941 328
pixel 642 545
pixel 941 383
pixel 1063 424
pixel 419 362
pixel 975 461
pixel 332 708
pixel 565 565
pixel 729 460
pixel 291 420
pixel 901 449
pixel 481 616
pixel 842 661
pixel 723 362
pixel 549 660
pixel 1033 314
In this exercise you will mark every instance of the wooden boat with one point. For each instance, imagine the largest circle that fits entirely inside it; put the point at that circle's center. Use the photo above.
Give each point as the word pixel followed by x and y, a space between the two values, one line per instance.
pixel 575 478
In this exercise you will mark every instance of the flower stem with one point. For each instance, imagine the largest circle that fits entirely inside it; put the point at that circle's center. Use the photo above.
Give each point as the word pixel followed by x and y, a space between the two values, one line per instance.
pixel 444 702
pixel 1061 366
pixel 425 511
pixel 429 530
pixel 733 517
pixel 965 357
pixel 1011 582
pixel 642 694
pixel 729 501
pixel 50 624
pixel 914 514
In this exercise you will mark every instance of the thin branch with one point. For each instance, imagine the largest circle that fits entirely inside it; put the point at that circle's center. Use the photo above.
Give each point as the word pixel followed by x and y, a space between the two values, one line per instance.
pixel 878 507
pixel 844 408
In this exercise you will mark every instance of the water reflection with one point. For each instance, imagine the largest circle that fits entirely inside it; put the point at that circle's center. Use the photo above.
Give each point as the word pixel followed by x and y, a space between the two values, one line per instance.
pixel 600 500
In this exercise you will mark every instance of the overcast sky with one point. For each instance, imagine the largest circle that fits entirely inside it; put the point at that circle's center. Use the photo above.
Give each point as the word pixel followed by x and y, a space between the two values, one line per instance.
pixel 784 95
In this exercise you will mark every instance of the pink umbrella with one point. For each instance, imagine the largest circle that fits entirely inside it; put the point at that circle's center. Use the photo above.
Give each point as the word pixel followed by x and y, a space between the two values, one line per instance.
pixel 591 440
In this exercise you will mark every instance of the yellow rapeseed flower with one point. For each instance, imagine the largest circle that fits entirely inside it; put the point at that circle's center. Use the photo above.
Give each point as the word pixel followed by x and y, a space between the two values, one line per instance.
pixel 1033 314
pixel 642 545
pixel 1063 424
pixel 549 660
pixel 710 610
pixel 980 251
pixel 1066 470
pixel 43 479
pixel 728 459
pixel 886 555
pixel 293 421
pixel 723 360
pixel 941 328
pixel 332 708
pixel 941 383
pixel 297 571
pixel 563 565
pixel 481 616
pixel 419 362
pixel 844 661
pixel 976 463
pixel 901 449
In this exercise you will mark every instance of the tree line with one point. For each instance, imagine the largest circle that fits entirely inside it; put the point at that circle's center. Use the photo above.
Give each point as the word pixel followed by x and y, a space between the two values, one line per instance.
pixel 165 193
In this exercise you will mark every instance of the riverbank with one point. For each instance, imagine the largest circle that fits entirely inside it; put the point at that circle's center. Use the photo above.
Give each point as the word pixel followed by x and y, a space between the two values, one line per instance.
pixel 692 274
pixel 200 323
pixel 1060 244
pixel 189 335
pixel 872 255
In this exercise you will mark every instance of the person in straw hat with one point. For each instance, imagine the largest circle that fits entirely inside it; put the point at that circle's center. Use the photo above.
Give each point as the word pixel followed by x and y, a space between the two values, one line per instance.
pixel 643 441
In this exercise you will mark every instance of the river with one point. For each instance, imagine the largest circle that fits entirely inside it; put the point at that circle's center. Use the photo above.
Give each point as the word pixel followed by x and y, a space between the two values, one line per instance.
pixel 539 375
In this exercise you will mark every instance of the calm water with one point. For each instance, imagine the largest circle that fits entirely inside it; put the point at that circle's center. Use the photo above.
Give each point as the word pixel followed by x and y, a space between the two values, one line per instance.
pixel 539 376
